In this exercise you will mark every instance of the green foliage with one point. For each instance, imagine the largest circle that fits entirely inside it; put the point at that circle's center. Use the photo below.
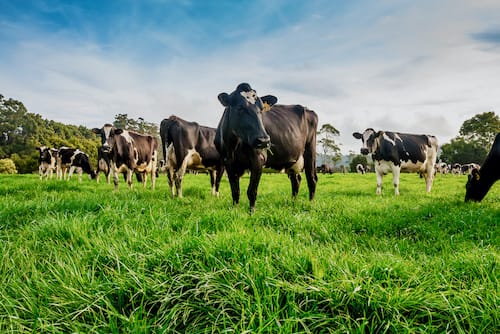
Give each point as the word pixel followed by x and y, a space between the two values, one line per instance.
pixel 80 258
pixel 7 166
pixel 331 151
pixel 475 139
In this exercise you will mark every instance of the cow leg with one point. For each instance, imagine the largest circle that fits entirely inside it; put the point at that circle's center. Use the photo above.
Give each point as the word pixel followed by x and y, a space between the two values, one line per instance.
pixel 310 170
pixel 253 187
pixel 218 178
pixel 429 177
pixel 170 178
pixel 129 178
pixel 212 180
pixel 396 171
pixel 295 179
pixel 380 177
pixel 234 182
pixel 71 171
pixel 80 172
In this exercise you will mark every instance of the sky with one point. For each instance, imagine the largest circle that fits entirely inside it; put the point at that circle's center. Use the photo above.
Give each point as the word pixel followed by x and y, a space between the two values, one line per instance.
pixel 409 66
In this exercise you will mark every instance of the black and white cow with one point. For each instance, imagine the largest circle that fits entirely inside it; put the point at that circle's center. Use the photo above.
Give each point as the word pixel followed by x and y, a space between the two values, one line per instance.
pixel 360 169
pixel 103 163
pixel 188 145
pixel 481 180
pixel 70 160
pixel 456 169
pixel 466 169
pixel 248 138
pixel 46 162
pixel 131 152
pixel 400 152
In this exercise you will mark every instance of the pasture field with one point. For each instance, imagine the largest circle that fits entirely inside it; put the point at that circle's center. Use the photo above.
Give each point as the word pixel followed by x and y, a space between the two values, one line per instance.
pixel 82 258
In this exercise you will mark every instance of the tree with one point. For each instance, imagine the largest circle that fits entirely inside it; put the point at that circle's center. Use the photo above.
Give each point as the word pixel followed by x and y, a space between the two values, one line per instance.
pixel 481 129
pixel 475 138
pixel 330 149
pixel 7 166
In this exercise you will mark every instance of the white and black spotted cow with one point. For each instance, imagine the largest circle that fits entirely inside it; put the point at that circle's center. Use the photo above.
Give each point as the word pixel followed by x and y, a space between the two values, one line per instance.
pixel 400 152
pixel 131 152
pixel 46 162
pixel 189 146
pixel 70 160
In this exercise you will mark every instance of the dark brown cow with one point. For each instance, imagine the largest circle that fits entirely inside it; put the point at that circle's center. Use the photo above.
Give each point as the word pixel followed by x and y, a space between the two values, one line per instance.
pixel 103 163
pixel 480 180
pixel 188 145
pixel 282 138
pixel 131 152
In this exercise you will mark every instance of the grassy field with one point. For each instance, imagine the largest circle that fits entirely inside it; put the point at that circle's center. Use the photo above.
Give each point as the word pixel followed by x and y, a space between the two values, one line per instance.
pixel 82 258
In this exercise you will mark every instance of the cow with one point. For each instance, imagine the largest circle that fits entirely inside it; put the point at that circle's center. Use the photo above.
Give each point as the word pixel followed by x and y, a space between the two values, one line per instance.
pixel 71 159
pixel 325 169
pixel 456 169
pixel 441 168
pixel 249 138
pixel 400 152
pixel 480 180
pixel 130 153
pixel 188 145
pixel 46 162
pixel 360 169
pixel 466 169
pixel 103 163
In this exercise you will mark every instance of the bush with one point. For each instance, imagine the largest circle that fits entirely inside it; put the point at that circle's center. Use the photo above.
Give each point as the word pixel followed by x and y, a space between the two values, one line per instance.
pixel 7 166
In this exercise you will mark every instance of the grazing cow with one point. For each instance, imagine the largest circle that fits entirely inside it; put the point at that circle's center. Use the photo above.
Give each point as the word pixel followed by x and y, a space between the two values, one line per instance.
pixel 130 152
pixel 441 168
pixel 188 145
pixel 456 169
pixel 325 169
pixel 249 138
pixel 480 180
pixel 47 162
pixel 466 169
pixel 360 169
pixel 396 152
pixel 103 163
pixel 71 159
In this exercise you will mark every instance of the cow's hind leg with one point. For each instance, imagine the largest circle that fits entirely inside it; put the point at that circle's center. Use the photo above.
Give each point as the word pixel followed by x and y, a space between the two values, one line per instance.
pixel 310 170
pixel 295 179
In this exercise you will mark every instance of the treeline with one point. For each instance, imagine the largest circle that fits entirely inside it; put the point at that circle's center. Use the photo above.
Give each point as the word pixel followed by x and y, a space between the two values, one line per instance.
pixel 22 132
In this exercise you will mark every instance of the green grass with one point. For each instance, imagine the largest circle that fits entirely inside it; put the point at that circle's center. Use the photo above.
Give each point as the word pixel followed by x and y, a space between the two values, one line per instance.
pixel 83 258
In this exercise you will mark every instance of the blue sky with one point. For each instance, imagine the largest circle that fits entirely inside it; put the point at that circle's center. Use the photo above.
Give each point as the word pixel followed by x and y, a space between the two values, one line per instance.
pixel 410 66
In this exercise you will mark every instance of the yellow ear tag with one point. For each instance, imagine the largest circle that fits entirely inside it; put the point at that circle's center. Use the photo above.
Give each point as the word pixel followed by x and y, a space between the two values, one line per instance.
pixel 266 108
pixel 477 176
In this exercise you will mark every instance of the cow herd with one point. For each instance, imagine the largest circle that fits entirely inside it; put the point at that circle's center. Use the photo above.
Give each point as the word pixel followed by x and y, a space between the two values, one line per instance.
pixel 254 133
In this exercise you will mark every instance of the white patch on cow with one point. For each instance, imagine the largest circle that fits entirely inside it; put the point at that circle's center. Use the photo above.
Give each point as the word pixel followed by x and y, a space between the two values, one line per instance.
pixel 298 166
pixel 250 96
pixel 390 140
pixel 107 131
pixel 127 136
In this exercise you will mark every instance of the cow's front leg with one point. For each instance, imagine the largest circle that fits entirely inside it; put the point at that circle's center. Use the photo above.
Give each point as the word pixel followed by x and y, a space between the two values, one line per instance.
pixel 396 171
pixel 253 187
pixel 380 177
pixel 129 178
pixel 234 182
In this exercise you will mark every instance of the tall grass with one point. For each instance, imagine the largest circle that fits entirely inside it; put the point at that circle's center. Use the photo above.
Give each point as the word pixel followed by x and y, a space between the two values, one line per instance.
pixel 79 257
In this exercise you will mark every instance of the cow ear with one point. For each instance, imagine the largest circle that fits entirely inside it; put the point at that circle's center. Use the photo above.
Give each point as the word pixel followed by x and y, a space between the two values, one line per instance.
pixel 270 100
pixel 223 99
pixel 118 131
pixel 357 135
pixel 96 131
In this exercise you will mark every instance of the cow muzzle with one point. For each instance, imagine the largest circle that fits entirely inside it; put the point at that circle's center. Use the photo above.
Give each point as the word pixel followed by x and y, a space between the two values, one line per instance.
pixel 365 151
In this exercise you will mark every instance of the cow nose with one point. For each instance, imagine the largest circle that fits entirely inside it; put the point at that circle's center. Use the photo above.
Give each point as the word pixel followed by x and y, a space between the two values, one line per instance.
pixel 262 142
pixel 364 151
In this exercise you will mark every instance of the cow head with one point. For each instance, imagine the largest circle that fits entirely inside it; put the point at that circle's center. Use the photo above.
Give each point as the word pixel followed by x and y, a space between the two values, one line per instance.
pixel 106 132
pixel 475 190
pixel 243 115
pixel 368 139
